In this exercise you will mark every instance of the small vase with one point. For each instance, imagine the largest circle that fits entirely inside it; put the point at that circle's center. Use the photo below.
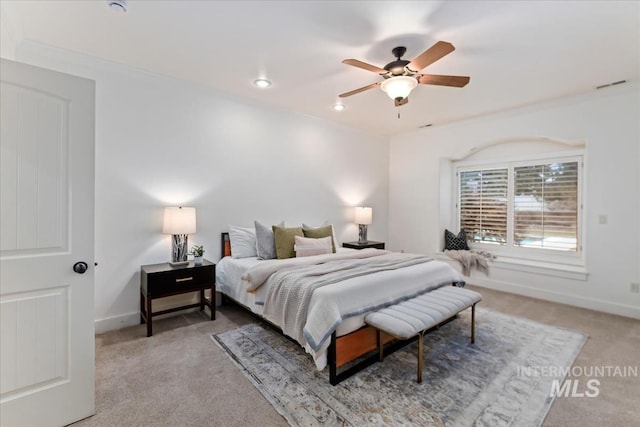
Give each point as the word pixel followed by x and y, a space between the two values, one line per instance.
pixel 197 260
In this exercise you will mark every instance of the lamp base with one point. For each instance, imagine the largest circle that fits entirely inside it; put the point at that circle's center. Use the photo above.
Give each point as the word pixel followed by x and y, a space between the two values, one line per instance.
pixel 178 263
pixel 179 244
pixel 362 233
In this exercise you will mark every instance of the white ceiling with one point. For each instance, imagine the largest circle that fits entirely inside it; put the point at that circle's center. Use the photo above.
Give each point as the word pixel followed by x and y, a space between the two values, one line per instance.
pixel 516 52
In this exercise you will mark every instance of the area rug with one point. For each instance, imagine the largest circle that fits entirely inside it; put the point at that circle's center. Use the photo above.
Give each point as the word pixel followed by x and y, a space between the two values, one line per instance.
pixel 481 384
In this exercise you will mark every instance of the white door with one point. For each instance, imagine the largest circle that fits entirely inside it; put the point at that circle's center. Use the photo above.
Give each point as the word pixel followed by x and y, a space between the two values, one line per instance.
pixel 46 226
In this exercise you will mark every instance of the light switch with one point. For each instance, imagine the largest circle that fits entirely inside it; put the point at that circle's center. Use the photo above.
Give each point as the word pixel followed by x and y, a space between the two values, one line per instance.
pixel 602 219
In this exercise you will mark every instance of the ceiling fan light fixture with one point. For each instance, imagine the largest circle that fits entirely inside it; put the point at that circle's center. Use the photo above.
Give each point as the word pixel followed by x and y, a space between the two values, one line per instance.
pixel 339 107
pixel 262 83
pixel 399 86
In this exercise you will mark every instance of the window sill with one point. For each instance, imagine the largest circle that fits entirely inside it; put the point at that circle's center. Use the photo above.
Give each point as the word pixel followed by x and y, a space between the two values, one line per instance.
pixel 565 271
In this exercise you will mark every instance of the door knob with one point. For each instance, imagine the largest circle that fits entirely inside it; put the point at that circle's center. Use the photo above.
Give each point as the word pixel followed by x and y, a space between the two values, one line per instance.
pixel 80 267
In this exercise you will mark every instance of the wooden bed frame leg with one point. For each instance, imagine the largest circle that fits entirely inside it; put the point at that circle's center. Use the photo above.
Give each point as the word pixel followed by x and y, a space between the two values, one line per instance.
pixel 473 323
pixel 333 370
pixel 420 356
pixel 380 345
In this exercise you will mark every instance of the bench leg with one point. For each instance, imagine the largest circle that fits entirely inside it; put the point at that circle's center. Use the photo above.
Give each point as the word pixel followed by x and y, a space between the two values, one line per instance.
pixel 473 323
pixel 420 356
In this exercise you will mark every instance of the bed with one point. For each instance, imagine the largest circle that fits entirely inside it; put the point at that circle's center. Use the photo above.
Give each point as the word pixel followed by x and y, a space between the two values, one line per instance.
pixel 321 301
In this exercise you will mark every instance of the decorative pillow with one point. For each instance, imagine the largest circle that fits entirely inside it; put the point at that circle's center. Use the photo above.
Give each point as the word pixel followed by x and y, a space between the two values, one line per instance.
pixel 321 229
pixel 243 242
pixel 307 247
pixel 285 239
pixel 455 243
pixel 265 242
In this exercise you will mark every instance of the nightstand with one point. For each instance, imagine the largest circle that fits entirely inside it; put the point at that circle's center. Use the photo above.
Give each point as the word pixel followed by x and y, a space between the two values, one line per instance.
pixel 163 280
pixel 367 244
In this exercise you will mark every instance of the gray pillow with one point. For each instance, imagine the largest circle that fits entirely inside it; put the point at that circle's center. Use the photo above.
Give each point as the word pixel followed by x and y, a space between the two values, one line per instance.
pixel 265 243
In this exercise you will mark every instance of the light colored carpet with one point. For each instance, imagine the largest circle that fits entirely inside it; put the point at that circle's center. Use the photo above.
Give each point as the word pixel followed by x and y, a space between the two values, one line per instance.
pixel 178 377
pixel 463 384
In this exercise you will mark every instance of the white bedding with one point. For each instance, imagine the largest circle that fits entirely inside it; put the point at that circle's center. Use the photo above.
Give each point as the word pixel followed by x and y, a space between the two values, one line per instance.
pixel 229 273
pixel 343 304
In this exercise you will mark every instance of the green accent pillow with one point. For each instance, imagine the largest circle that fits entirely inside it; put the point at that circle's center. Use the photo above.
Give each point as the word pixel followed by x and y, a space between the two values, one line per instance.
pixel 285 239
pixel 320 232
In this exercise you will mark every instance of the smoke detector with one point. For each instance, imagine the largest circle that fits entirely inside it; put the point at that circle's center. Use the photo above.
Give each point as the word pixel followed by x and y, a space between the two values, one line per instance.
pixel 118 5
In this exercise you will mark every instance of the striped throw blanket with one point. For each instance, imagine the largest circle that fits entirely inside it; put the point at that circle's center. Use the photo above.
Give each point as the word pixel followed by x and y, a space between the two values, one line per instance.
pixel 289 290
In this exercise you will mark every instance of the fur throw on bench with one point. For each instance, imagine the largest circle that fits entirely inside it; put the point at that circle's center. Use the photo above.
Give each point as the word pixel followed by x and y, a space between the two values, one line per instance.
pixel 471 259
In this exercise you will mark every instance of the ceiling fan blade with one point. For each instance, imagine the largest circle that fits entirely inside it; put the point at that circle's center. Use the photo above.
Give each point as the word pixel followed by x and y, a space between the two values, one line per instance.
pixel 431 55
pixel 364 66
pixel 434 79
pixel 400 102
pixel 362 89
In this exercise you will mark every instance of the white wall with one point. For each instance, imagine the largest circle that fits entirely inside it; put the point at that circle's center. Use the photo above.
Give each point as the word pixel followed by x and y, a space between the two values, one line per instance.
pixel 10 30
pixel 608 121
pixel 161 142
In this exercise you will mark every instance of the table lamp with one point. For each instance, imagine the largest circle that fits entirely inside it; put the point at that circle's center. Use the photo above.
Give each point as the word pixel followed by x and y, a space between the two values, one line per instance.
pixel 363 218
pixel 179 222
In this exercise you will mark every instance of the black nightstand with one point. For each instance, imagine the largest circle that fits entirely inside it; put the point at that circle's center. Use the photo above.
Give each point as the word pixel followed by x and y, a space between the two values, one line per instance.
pixel 367 244
pixel 163 280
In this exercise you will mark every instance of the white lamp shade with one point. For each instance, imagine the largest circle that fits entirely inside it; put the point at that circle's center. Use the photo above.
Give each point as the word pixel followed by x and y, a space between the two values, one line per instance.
pixel 364 215
pixel 179 220
pixel 399 86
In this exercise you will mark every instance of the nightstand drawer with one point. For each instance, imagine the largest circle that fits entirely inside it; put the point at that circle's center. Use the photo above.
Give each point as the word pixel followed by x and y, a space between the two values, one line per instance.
pixel 179 281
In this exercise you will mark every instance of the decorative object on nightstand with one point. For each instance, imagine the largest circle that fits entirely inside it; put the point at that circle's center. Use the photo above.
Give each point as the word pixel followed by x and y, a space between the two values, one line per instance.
pixel 179 222
pixel 363 218
pixel 365 245
pixel 197 252
pixel 163 280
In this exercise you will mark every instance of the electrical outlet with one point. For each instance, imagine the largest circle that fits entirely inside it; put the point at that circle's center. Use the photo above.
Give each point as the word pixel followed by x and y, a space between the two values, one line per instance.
pixel 634 287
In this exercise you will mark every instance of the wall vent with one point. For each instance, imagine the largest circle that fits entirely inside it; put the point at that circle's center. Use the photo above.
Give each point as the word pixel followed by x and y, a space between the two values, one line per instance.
pixel 619 82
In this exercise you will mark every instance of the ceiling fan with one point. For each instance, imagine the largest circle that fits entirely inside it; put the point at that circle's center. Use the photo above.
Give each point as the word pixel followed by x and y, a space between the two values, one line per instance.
pixel 402 76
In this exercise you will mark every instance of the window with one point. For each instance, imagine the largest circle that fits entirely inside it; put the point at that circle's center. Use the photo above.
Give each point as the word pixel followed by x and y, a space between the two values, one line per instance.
pixel 483 205
pixel 522 206
pixel 546 206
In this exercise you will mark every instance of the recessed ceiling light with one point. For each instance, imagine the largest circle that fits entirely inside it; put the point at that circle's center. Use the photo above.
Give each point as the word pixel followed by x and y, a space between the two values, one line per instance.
pixel 262 83
pixel 339 107
pixel 118 5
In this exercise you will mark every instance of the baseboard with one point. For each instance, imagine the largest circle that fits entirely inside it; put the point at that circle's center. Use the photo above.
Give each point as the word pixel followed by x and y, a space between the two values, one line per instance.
pixel 574 300
pixel 117 322
pixel 131 319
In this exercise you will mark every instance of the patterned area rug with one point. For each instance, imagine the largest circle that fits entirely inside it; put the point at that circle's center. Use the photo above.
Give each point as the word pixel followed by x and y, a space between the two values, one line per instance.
pixel 481 384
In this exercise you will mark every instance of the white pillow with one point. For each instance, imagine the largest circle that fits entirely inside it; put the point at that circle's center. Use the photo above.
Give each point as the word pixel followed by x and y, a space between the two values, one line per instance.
pixel 243 242
pixel 305 246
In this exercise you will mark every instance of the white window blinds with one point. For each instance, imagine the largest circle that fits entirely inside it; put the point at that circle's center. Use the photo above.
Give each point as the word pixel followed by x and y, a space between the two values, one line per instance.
pixel 546 206
pixel 483 205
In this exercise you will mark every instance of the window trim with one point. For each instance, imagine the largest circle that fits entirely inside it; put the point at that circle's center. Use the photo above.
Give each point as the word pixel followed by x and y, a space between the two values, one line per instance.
pixel 576 258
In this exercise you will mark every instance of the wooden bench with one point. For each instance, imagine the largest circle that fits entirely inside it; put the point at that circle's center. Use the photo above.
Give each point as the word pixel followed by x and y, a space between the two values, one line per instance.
pixel 418 315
